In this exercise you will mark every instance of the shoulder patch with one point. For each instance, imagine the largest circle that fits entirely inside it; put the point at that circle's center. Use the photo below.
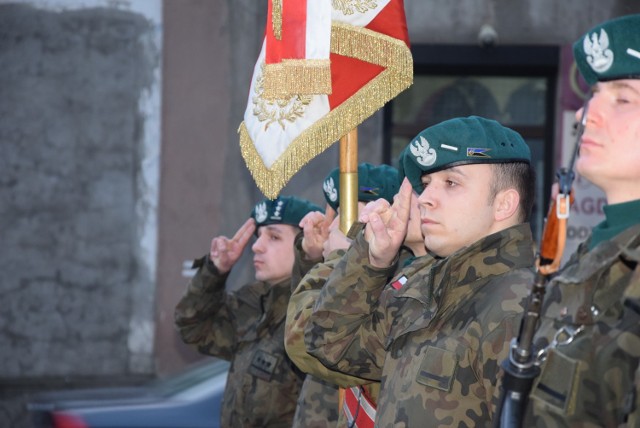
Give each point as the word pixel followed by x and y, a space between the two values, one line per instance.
pixel 398 283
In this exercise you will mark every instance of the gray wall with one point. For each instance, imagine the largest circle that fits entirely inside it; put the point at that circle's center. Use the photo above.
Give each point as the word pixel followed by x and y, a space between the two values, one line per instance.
pixel 74 271
pixel 516 22
pixel 79 131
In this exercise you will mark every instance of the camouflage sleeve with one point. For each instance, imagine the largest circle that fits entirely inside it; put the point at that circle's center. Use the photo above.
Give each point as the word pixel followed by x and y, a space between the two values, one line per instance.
pixel 634 402
pixel 302 265
pixel 601 378
pixel 494 349
pixel 632 301
pixel 616 367
pixel 493 328
pixel 202 316
pixel 344 331
pixel 298 312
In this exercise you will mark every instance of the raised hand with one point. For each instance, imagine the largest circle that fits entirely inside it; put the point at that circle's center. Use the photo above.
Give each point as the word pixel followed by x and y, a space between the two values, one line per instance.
pixel 315 228
pixel 225 252
pixel 336 240
pixel 387 226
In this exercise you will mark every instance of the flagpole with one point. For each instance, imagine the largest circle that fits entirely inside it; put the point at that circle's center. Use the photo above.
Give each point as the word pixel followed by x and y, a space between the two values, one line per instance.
pixel 348 180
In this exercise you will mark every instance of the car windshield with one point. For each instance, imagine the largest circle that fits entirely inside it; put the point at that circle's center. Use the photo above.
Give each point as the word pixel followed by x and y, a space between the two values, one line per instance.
pixel 200 372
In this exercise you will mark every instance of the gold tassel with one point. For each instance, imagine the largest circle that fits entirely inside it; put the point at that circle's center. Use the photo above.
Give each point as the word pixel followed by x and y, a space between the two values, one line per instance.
pixel 297 76
pixel 276 18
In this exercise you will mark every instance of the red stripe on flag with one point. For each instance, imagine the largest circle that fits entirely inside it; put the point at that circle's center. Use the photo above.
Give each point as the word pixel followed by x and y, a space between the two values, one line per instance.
pixel 292 44
pixel 348 75
pixel 294 26
pixel 391 21
pixel 273 53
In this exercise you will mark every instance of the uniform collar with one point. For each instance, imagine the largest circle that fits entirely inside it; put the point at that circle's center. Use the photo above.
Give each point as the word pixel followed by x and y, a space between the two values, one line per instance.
pixel 495 254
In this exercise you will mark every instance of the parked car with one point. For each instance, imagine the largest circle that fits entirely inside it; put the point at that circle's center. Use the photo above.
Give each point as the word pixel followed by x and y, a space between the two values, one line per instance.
pixel 190 399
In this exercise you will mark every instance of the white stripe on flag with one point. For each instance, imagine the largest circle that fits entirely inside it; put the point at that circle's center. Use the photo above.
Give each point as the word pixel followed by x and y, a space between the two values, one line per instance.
pixel 318 30
pixel 271 138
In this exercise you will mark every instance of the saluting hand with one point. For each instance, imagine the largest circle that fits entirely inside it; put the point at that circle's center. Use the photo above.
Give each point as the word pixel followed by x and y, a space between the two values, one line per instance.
pixel 225 252
pixel 387 226
pixel 315 228
pixel 337 239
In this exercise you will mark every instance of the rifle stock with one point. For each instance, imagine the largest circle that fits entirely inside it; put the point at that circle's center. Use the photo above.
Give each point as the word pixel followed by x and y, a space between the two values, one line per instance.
pixel 549 245
pixel 554 234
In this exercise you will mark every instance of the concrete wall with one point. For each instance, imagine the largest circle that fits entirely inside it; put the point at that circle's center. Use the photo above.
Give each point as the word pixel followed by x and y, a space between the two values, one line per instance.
pixel 516 22
pixel 79 131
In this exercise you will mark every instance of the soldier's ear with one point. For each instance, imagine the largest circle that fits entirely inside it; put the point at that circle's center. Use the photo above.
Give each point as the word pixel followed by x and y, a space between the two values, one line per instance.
pixel 506 204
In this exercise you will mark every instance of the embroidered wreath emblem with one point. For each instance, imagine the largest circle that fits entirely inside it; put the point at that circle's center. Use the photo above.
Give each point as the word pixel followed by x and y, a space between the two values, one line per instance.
pixel 349 7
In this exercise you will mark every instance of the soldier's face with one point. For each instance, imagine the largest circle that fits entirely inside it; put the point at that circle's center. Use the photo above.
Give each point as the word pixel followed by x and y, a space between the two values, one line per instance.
pixel 273 253
pixel 610 148
pixel 455 210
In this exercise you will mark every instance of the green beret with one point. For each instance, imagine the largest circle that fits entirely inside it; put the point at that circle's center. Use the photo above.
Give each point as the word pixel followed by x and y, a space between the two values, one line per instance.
pixel 374 182
pixel 610 51
pixel 282 210
pixel 461 141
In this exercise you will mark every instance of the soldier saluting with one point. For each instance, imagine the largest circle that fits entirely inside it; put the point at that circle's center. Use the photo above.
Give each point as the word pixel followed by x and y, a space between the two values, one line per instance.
pixel 246 325
pixel 435 335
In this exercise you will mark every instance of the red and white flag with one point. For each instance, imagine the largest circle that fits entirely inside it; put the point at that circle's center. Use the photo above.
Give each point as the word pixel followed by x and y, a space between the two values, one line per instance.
pixel 285 125
pixel 296 49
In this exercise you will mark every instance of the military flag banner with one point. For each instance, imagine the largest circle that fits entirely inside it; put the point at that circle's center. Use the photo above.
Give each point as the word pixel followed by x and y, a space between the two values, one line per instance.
pixel 294 112
pixel 297 49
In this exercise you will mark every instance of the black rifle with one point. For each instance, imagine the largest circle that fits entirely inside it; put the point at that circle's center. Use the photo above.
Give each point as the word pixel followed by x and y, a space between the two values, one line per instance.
pixel 520 369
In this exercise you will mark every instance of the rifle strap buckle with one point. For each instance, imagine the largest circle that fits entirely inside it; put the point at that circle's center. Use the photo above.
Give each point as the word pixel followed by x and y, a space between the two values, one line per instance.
pixel 565 335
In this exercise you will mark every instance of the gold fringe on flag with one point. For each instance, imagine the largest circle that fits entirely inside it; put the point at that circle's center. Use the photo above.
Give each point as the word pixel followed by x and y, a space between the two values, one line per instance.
pixel 297 76
pixel 351 41
pixel 276 18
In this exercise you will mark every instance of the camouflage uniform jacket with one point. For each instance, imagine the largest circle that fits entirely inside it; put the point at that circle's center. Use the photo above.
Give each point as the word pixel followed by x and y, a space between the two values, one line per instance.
pixel 444 332
pixel 594 304
pixel 634 414
pixel 301 304
pixel 245 327
pixel 318 400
